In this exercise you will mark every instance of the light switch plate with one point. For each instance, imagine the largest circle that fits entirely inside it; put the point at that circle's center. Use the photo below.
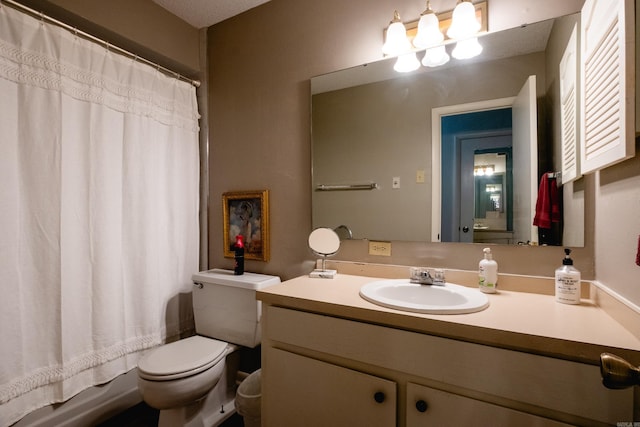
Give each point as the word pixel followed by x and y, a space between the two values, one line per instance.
pixel 395 183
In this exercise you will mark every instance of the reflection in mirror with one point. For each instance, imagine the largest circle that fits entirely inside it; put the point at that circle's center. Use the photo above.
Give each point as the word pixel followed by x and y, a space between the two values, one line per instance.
pixel 460 136
pixel 371 125
pixel 344 232
pixel 493 196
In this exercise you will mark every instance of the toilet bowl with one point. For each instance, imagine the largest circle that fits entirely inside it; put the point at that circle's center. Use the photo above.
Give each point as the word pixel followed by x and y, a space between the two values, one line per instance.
pixel 193 381
pixel 182 372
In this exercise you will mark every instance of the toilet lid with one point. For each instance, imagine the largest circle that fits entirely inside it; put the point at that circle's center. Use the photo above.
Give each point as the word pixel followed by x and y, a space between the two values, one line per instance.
pixel 181 358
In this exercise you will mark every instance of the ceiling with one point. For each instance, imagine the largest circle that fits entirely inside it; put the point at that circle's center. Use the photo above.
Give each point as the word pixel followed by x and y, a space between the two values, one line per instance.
pixel 204 13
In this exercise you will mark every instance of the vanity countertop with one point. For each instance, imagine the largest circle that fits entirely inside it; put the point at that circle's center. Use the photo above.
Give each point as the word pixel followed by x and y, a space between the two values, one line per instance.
pixel 522 321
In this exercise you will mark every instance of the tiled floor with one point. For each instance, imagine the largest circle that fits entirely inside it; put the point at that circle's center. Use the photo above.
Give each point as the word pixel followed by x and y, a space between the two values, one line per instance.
pixel 142 415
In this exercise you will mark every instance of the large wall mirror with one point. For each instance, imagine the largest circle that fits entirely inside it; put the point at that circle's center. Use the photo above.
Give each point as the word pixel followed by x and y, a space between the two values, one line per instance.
pixel 438 154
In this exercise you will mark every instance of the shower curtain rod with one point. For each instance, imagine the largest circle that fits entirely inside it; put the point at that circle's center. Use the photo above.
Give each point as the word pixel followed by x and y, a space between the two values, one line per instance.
pixel 108 45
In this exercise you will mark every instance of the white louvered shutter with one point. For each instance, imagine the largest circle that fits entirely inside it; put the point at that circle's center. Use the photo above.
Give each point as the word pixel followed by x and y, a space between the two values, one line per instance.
pixel 607 41
pixel 569 109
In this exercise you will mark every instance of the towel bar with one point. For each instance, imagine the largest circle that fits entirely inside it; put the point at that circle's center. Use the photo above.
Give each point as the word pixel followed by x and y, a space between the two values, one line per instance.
pixel 323 187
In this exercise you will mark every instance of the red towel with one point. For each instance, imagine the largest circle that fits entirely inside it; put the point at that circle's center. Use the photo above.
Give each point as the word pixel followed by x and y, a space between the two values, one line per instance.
pixel 548 204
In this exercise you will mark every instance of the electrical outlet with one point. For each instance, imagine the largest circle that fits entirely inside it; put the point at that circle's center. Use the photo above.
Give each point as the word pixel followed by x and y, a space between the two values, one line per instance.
pixel 420 177
pixel 395 183
pixel 379 248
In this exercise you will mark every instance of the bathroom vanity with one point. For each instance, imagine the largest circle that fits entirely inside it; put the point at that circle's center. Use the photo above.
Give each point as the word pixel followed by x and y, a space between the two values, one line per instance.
pixel 332 358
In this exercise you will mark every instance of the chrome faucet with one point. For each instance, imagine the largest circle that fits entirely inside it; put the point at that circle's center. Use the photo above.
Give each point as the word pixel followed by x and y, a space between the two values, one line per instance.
pixel 346 231
pixel 423 276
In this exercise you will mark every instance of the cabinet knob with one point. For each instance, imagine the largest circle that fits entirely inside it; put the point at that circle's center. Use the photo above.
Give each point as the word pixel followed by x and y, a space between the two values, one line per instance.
pixel 421 406
pixel 379 397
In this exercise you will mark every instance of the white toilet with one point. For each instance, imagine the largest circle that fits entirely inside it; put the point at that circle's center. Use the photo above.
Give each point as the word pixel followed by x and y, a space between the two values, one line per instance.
pixel 193 381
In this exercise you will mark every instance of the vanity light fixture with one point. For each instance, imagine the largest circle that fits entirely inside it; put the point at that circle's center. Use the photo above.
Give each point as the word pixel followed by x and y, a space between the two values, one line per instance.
pixel 429 33
pixel 396 42
pixel 484 170
pixel 463 24
pixel 406 63
pixel 429 36
pixel 467 48
pixel 435 57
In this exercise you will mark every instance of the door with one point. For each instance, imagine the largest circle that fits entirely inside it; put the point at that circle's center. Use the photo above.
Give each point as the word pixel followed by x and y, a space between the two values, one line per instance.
pixel 607 79
pixel 525 162
pixel 427 406
pixel 447 175
pixel 470 145
pixel 299 390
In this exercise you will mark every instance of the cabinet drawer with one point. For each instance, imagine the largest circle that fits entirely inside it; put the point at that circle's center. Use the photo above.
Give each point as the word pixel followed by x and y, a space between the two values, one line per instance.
pixel 299 390
pixel 426 406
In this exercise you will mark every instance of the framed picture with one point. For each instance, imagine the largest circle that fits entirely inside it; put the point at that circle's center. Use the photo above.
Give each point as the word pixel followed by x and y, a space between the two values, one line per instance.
pixel 246 213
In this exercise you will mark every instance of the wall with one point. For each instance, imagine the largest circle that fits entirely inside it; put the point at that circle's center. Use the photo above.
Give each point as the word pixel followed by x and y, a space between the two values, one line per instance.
pixel 259 104
pixel 140 26
pixel 617 238
pixel 617 234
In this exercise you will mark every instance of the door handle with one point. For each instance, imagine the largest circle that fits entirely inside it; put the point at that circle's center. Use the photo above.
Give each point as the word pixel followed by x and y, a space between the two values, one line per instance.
pixel 617 373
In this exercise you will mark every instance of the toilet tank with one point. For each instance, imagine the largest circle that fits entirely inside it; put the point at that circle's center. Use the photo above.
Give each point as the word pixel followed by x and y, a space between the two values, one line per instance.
pixel 225 305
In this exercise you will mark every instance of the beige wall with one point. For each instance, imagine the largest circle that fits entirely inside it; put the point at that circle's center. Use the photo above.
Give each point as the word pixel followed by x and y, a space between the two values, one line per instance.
pixel 140 26
pixel 260 66
pixel 617 236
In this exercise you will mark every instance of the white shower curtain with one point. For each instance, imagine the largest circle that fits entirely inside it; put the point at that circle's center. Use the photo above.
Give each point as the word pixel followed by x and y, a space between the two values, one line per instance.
pixel 99 178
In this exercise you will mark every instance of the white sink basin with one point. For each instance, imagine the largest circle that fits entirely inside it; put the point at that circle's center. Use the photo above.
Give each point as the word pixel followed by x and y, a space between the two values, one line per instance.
pixel 401 294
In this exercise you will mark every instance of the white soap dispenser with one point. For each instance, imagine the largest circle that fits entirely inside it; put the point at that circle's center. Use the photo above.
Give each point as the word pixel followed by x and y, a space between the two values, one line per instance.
pixel 567 281
pixel 488 273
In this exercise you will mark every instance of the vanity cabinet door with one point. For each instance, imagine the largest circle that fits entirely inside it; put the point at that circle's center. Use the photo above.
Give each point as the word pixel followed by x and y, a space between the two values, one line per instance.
pixel 607 80
pixel 427 406
pixel 549 387
pixel 298 390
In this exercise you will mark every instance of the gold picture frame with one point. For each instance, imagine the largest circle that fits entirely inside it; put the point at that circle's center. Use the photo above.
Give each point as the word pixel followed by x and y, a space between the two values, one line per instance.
pixel 246 213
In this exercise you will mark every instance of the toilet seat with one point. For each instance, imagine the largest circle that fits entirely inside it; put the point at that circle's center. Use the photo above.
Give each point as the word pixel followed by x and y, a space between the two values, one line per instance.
pixel 181 358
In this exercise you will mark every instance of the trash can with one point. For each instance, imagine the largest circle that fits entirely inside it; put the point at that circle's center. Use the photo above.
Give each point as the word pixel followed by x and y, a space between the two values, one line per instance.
pixel 248 399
